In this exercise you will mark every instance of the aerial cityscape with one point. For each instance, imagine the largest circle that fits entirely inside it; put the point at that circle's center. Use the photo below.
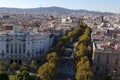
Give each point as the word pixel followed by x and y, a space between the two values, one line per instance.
pixel 59 40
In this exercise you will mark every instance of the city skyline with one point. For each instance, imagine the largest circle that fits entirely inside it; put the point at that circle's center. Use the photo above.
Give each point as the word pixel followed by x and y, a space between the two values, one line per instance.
pixel 94 5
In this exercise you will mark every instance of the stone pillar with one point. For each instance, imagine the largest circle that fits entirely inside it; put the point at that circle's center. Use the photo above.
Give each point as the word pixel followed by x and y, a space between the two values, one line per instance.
pixel 13 48
pixel 17 48
pixel 9 51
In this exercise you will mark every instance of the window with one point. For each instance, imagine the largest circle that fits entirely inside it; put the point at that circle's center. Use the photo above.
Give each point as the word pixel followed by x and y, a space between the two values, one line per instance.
pixel 28 53
pixel 11 48
pixel 24 48
pixel 33 50
pixel 15 48
pixel 116 61
pixel 28 43
pixel 2 54
pixel 40 50
pixel 98 58
pixel 19 48
pixel 97 68
pixel 33 42
pixel 7 48
pixel 107 59
pixel 106 71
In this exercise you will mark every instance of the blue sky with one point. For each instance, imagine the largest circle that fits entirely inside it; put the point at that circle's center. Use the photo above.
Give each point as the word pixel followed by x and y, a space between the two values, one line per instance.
pixel 96 5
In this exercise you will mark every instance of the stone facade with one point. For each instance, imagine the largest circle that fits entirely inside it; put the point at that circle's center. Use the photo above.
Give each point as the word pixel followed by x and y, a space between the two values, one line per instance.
pixel 105 62
pixel 24 45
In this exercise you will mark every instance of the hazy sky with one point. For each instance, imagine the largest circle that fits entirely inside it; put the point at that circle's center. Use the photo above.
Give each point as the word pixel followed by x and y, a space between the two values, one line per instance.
pixel 96 5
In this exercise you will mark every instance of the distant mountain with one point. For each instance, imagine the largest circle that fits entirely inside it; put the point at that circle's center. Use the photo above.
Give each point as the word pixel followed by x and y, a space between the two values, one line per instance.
pixel 50 10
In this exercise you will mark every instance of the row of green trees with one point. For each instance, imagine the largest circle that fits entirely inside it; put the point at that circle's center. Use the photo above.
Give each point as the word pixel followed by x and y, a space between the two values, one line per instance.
pixel 66 40
pixel 24 68
pixel 3 76
pixel 109 77
pixel 15 66
pixel 22 75
pixel 48 70
pixel 84 69
pixel 25 75
pixel 83 43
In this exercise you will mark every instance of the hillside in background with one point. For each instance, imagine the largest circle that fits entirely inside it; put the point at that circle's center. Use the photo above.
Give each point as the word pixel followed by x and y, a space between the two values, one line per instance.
pixel 51 10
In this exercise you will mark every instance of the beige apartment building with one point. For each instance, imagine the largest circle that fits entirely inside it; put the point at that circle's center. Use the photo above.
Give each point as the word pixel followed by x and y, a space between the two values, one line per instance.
pixel 106 59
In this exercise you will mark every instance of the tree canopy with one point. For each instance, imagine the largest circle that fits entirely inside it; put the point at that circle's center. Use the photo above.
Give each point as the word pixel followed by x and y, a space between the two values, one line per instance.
pixel 53 58
pixel 48 71
pixel 3 76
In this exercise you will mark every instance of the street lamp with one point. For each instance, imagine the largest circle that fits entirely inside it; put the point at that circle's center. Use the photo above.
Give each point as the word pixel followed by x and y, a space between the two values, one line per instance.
pixel 114 72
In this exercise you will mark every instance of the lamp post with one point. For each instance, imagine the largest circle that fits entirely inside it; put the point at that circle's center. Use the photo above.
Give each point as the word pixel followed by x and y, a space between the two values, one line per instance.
pixel 114 72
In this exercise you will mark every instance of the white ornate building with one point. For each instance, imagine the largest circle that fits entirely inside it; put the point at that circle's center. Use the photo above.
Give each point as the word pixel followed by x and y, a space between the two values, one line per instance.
pixel 21 46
